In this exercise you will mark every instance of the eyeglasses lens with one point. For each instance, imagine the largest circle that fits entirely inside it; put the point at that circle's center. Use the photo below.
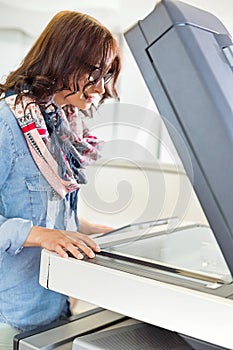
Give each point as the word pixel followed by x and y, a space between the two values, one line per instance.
pixel 96 73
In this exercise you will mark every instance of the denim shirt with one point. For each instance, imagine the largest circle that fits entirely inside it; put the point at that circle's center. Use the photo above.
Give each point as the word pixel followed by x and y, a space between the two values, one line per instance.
pixel 25 200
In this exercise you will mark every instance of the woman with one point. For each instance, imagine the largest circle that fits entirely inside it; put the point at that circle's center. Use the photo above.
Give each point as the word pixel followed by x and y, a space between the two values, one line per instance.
pixel 75 62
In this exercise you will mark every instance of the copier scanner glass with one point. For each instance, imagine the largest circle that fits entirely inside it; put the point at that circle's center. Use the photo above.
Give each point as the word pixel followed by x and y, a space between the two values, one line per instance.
pixel 190 252
pixel 185 56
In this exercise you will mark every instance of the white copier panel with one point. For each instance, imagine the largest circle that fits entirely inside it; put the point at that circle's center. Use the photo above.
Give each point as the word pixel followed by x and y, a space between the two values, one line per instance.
pixel 174 278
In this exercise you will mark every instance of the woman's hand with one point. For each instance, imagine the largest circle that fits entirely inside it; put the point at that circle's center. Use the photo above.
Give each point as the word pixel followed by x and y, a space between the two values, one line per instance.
pixel 89 228
pixel 61 241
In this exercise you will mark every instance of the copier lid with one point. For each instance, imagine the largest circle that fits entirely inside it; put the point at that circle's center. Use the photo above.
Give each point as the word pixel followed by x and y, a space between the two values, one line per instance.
pixel 185 56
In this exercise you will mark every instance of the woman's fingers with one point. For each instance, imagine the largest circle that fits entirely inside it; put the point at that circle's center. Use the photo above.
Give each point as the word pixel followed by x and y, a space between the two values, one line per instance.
pixel 77 249
pixel 61 251
pixel 81 238
pixel 90 242
pixel 77 245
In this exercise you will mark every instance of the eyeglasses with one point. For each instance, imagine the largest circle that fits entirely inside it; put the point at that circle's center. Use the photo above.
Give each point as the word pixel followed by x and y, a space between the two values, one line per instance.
pixel 96 73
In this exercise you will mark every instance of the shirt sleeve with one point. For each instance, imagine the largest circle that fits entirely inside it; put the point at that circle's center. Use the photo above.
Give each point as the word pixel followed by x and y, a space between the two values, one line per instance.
pixel 13 231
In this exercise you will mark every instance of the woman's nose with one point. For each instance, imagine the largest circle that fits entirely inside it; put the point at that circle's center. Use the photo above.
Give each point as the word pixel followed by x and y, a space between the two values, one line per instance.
pixel 99 87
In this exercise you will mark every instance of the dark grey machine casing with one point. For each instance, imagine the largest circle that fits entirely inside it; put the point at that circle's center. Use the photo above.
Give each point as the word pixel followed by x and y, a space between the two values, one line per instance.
pixel 186 56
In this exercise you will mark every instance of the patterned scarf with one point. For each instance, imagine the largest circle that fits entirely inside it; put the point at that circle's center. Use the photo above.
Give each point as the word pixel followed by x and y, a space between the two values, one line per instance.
pixel 60 149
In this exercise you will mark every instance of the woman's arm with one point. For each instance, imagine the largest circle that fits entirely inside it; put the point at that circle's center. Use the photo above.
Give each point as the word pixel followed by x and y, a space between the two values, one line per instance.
pixel 13 231
pixel 89 228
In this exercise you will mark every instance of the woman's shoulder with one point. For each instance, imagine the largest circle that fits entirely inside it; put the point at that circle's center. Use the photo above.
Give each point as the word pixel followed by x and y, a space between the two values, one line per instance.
pixel 4 110
pixel 7 118
pixel 10 131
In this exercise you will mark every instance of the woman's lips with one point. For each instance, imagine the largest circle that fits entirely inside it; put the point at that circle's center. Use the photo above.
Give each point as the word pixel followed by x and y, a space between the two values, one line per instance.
pixel 91 99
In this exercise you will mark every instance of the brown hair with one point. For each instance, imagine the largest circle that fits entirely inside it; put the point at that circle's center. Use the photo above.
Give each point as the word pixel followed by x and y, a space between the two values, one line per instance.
pixel 70 43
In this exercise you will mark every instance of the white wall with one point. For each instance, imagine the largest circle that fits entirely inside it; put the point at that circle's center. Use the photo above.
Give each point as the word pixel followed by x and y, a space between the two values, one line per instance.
pixel 14 44
pixel 121 192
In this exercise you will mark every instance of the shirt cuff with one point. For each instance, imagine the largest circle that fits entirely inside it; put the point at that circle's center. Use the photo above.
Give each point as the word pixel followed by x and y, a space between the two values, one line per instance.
pixel 13 234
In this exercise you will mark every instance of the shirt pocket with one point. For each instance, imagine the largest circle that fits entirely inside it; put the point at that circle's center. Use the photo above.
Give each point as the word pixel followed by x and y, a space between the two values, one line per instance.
pixel 40 193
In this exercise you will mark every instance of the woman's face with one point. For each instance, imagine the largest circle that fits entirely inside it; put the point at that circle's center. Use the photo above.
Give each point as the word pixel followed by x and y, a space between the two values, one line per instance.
pixel 79 99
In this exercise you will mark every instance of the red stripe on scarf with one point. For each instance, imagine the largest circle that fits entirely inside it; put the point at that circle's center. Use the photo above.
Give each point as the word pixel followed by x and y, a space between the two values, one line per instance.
pixel 28 127
pixel 42 131
pixel 32 126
